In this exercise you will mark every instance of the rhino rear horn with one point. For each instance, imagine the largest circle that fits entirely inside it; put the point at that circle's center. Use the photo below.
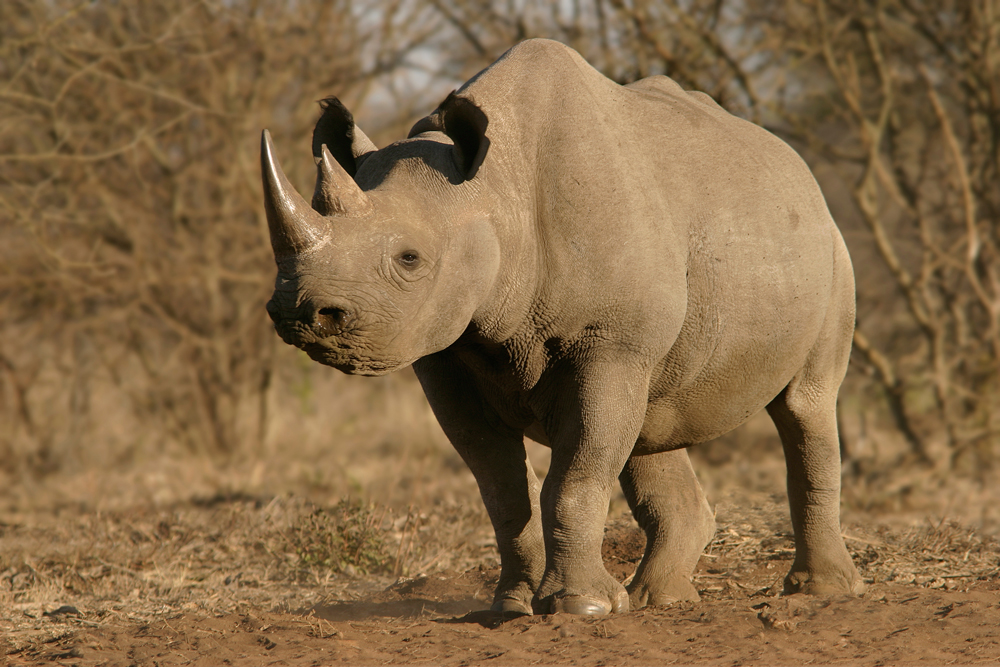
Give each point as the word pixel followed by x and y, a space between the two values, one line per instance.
pixel 294 225
pixel 336 192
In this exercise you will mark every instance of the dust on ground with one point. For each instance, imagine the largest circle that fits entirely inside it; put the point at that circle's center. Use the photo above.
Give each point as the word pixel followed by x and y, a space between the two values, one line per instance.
pixel 236 581
pixel 115 568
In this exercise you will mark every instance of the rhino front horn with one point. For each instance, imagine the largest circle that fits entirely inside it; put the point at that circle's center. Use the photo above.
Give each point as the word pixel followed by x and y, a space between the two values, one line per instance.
pixel 294 225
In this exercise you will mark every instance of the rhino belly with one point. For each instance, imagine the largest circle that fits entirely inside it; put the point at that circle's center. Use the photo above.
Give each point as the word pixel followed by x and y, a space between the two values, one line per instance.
pixel 727 364
pixel 703 413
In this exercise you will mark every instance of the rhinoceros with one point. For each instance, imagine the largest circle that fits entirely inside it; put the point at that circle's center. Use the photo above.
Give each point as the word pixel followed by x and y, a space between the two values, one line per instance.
pixel 617 272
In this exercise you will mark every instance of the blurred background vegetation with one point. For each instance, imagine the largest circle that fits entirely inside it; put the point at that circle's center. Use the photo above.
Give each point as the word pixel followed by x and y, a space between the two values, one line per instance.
pixel 134 255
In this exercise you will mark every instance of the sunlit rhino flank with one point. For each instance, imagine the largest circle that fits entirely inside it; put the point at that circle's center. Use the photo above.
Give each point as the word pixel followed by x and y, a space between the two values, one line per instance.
pixel 615 272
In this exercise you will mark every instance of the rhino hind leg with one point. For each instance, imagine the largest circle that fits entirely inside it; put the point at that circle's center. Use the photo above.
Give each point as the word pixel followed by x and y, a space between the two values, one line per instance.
pixel 668 503
pixel 805 414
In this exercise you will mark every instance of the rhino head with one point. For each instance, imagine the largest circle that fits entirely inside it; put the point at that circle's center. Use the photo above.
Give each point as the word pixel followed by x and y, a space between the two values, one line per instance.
pixel 397 250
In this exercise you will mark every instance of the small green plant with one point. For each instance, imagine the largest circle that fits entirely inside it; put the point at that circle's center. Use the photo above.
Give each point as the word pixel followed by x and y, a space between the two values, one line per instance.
pixel 347 538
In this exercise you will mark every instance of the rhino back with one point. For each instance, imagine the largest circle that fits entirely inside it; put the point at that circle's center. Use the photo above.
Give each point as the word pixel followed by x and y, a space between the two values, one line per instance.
pixel 767 269
pixel 659 222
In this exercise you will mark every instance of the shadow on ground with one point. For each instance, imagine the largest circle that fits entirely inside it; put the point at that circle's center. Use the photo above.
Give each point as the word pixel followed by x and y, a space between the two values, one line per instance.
pixel 415 608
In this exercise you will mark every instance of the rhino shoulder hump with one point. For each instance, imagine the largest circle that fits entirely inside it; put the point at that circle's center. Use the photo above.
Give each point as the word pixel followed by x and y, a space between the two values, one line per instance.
pixel 665 88
pixel 704 98
pixel 657 84
pixel 539 46
pixel 533 54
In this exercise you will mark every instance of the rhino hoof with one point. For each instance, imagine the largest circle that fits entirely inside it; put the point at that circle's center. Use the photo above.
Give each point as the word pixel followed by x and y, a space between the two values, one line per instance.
pixel 510 607
pixel 802 583
pixel 580 605
pixel 583 605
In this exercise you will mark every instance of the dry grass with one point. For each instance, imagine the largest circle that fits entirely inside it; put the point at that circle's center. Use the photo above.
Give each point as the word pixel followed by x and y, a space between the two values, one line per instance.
pixel 947 555
pixel 218 556
pixel 148 543
pixel 232 554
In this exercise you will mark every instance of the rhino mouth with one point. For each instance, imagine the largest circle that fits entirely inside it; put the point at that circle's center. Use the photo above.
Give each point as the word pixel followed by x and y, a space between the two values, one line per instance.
pixel 345 362
pixel 335 351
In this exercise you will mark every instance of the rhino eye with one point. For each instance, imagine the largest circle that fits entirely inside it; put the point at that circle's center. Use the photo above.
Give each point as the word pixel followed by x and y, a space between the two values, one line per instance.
pixel 409 259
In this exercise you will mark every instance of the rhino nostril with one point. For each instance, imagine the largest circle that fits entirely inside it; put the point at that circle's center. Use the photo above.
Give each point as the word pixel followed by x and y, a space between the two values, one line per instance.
pixel 336 314
pixel 333 319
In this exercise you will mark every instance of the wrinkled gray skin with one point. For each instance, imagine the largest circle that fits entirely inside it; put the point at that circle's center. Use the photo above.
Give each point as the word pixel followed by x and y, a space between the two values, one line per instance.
pixel 615 272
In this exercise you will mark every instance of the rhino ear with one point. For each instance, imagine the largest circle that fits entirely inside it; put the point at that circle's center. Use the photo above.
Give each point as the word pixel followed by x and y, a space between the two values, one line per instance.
pixel 346 142
pixel 466 124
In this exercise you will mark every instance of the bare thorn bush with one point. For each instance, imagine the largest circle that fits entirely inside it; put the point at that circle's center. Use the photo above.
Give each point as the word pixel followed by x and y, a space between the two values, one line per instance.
pixel 134 262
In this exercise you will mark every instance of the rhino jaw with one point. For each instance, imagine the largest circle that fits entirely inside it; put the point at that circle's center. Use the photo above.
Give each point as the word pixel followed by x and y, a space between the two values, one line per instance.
pixel 328 353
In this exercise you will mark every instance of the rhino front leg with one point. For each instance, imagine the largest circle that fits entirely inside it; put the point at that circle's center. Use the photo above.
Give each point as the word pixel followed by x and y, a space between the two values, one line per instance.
pixel 668 503
pixel 592 420
pixel 495 454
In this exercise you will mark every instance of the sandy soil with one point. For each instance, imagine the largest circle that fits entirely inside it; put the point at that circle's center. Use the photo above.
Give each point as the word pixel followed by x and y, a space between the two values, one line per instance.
pixel 225 582
pixel 894 625
pixel 176 562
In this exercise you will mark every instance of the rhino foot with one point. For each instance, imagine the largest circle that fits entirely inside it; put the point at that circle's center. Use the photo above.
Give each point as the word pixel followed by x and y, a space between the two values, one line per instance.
pixel 831 583
pixel 587 593
pixel 510 607
pixel 585 605
pixel 677 589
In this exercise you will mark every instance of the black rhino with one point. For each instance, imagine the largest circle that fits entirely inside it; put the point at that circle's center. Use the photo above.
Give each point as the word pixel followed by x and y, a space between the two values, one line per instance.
pixel 618 272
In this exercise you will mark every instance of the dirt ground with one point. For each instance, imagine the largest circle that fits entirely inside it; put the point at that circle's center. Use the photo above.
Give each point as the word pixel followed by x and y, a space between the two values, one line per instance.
pixel 241 578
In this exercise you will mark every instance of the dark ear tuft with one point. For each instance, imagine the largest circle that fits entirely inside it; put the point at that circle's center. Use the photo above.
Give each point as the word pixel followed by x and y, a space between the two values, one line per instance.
pixel 466 124
pixel 335 128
